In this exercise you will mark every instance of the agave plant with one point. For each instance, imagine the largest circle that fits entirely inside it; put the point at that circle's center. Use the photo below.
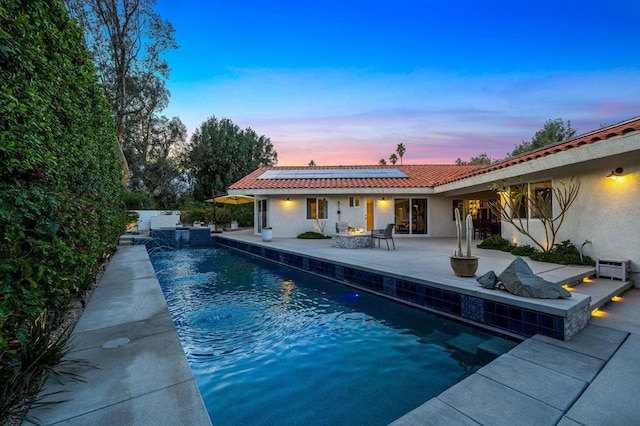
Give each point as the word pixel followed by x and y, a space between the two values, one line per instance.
pixel 23 374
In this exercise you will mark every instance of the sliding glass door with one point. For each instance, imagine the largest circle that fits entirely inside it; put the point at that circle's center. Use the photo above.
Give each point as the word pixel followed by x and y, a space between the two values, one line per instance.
pixel 411 216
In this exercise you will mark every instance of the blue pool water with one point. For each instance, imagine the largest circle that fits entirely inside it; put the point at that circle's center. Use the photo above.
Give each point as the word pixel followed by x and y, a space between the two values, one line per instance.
pixel 272 345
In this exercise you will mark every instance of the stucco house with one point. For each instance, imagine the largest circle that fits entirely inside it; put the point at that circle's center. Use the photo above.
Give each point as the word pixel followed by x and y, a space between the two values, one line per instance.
pixel 604 220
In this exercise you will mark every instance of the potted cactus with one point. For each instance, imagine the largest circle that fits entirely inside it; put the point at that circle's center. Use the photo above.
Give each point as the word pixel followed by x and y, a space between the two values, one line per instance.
pixel 464 264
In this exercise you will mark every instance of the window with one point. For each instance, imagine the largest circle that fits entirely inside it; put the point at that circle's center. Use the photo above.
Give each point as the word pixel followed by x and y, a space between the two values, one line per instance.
pixel 354 202
pixel 541 199
pixel 533 200
pixel 317 208
pixel 519 201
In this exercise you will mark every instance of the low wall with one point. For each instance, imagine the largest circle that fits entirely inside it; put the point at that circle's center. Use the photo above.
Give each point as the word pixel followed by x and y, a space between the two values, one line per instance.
pixel 144 218
pixel 164 221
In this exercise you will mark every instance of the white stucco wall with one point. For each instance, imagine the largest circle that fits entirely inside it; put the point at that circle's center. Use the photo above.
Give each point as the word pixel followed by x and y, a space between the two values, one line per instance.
pixel 441 223
pixel 606 212
pixel 144 219
pixel 165 220
pixel 288 218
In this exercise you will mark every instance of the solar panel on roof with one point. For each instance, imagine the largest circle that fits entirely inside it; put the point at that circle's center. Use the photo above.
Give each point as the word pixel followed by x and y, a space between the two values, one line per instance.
pixel 333 174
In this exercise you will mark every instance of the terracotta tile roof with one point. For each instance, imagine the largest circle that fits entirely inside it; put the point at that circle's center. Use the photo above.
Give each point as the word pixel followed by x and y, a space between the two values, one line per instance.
pixel 602 134
pixel 419 176
pixel 422 176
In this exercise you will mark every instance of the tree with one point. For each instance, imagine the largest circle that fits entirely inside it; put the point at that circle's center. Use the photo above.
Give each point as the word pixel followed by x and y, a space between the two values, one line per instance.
pixel 312 163
pixel 382 162
pixel 553 131
pixel 153 155
pixel 519 202
pixel 221 153
pixel 480 159
pixel 127 39
pixel 400 150
pixel 393 158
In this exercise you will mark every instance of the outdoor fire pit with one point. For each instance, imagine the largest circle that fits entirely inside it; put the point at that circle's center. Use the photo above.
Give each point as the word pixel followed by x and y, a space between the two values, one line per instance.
pixel 352 239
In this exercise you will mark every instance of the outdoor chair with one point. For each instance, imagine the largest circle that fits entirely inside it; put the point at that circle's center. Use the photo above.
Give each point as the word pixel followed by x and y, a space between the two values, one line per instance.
pixel 481 228
pixel 477 229
pixel 383 234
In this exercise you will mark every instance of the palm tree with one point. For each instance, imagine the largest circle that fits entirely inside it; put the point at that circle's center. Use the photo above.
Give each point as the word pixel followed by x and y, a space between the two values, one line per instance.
pixel 393 158
pixel 401 150
pixel 312 163
pixel 382 162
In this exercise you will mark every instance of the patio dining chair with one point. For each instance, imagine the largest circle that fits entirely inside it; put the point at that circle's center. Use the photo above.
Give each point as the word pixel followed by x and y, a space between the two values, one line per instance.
pixel 383 234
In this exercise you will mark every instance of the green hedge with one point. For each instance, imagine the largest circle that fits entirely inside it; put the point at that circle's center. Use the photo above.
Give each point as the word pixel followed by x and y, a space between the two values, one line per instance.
pixel 61 197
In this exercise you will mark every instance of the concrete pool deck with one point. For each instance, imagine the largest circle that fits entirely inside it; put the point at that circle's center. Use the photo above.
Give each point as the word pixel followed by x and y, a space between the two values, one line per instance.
pixel 143 376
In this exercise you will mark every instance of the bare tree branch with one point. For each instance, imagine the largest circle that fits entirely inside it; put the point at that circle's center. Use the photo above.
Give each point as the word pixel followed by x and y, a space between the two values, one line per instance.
pixel 539 205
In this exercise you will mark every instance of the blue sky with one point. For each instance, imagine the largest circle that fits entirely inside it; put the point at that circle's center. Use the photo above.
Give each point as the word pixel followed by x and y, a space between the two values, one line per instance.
pixel 343 82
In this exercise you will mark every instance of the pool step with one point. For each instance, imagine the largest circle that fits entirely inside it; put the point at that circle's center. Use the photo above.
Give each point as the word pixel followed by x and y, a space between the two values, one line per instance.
pixel 466 343
pixel 494 347
pixel 601 290
pixel 485 349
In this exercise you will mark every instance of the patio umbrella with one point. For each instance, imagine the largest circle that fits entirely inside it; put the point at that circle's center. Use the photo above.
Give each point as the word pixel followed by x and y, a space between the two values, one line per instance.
pixel 233 199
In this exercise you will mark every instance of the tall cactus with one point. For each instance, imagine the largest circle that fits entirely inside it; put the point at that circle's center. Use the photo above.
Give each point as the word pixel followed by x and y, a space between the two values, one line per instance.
pixel 469 234
pixel 458 251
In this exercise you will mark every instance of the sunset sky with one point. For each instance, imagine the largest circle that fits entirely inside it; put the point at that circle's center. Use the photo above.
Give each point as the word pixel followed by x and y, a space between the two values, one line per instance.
pixel 343 82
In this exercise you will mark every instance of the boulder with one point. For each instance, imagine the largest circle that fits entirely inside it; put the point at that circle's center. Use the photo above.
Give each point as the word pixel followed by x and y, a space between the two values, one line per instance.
pixel 488 280
pixel 519 279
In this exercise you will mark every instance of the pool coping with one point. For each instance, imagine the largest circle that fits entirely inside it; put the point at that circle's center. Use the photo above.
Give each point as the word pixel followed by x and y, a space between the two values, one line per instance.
pixel 137 372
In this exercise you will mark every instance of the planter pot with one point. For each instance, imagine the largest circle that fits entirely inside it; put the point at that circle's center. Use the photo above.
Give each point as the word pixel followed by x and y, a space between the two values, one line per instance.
pixel 267 234
pixel 464 266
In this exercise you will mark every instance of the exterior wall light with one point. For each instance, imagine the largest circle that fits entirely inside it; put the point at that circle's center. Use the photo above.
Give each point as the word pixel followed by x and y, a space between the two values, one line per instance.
pixel 615 173
pixel 288 199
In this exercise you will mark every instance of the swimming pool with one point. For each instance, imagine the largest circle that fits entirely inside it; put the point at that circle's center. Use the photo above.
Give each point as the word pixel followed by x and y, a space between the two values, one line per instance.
pixel 273 345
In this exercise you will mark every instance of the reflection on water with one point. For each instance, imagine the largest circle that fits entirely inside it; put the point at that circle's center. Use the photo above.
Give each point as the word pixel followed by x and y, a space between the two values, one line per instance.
pixel 271 345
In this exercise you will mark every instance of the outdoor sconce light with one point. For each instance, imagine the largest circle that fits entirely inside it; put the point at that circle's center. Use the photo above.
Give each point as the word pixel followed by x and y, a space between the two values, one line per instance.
pixel 288 199
pixel 615 173
pixel 382 198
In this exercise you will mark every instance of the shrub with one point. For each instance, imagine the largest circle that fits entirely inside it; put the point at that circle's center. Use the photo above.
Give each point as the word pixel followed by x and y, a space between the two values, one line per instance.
pixel 44 354
pixel 311 235
pixel 196 214
pixel 496 242
pixel 564 253
pixel 218 215
pixel 525 250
